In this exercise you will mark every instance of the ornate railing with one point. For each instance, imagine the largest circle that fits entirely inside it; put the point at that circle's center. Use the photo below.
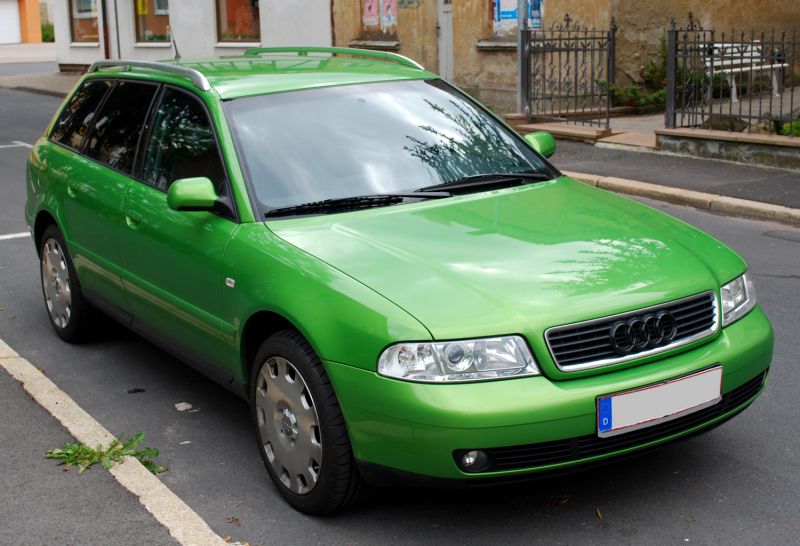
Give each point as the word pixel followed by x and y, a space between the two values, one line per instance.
pixel 733 81
pixel 566 73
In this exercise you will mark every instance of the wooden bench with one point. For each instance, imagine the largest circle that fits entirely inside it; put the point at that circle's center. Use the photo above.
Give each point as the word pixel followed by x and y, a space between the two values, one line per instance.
pixel 731 59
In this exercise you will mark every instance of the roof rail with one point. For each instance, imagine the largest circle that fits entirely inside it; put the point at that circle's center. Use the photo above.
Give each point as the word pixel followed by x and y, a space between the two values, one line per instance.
pixel 304 51
pixel 196 77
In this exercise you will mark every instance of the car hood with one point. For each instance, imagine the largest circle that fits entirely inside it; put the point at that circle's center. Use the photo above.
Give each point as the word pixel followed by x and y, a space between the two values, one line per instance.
pixel 517 260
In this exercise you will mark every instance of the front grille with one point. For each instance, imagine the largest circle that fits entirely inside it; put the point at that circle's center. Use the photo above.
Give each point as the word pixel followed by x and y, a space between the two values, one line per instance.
pixel 589 344
pixel 573 449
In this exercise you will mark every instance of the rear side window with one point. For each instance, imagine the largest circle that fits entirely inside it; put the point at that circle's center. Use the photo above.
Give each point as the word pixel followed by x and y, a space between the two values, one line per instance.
pixel 76 118
pixel 182 144
pixel 119 125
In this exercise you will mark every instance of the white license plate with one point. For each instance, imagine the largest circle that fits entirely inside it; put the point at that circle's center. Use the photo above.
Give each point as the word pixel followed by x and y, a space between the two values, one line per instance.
pixel 631 410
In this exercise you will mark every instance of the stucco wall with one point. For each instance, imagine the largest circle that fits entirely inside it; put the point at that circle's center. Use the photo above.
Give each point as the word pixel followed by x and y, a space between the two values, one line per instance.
pixel 415 30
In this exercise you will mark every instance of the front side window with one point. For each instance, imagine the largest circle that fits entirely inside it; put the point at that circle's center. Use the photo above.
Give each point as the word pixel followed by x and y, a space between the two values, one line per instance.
pixel 152 20
pixel 76 117
pixel 119 124
pixel 182 144
pixel 238 21
pixel 369 139
pixel 83 19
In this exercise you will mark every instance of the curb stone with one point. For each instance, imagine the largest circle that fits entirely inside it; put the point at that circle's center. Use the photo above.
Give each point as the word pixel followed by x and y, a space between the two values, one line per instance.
pixel 730 206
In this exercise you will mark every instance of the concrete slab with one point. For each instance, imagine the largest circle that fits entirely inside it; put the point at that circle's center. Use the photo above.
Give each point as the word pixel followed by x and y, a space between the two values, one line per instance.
pixel 566 131
pixel 632 138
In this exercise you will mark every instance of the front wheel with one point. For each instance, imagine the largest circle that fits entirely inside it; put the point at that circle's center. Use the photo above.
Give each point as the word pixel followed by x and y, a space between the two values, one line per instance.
pixel 300 428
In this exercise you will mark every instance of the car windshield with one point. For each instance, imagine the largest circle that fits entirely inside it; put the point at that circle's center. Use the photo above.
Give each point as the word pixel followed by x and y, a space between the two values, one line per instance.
pixel 377 138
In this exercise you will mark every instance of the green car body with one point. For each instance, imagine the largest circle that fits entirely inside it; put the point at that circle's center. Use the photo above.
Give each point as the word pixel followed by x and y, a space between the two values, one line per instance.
pixel 514 260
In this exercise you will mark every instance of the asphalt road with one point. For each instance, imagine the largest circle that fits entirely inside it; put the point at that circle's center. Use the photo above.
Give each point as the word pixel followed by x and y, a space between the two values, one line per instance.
pixel 738 484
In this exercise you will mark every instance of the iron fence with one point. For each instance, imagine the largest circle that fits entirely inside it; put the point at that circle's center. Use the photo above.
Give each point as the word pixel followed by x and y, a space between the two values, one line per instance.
pixel 733 81
pixel 566 73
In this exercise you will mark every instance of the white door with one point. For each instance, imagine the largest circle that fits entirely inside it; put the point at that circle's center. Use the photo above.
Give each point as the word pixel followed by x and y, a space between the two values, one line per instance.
pixel 445 27
pixel 9 22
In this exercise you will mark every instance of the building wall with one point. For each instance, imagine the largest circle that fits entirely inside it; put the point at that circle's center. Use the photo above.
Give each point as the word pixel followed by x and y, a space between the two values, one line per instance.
pixel 30 22
pixel 413 35
pixel 194 27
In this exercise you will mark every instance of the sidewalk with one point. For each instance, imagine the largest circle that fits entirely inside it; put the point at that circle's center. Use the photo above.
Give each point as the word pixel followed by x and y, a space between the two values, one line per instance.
pixel 45 505
pixel 28 53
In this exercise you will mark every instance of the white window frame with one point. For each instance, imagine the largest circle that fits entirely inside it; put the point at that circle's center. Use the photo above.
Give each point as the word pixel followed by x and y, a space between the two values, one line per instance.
pixel 164 10
pixel 78 14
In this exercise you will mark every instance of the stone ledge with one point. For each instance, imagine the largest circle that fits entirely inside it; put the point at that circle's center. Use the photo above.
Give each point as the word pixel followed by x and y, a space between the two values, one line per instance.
pixel 495 45
pixel 745 138
pixel 376 44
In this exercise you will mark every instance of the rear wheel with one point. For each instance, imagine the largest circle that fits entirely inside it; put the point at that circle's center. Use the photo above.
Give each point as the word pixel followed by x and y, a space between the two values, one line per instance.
pixel 300 429
pixel 67 309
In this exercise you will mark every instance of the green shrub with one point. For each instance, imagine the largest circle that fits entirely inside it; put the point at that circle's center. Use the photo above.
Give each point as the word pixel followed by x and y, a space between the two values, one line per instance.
pixel 48 34
pixel 791 129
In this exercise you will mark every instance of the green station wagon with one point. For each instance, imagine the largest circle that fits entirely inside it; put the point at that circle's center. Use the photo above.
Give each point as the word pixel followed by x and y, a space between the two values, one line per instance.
pixel 404 289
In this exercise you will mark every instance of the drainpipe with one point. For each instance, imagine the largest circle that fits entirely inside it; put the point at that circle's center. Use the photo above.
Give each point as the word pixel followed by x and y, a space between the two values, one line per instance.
pixel 104 15
pixel 523 58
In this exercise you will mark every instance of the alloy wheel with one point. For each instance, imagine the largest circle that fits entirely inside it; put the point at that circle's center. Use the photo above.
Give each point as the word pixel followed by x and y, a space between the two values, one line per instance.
pixel 56 283
pixel 288 425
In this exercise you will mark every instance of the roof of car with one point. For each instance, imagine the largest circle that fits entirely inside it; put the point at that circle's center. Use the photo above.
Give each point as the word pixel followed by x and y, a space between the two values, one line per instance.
pixel 281 69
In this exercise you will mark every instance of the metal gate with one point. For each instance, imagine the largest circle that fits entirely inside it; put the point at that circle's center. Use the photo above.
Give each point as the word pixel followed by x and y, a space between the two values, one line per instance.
pixel 566 72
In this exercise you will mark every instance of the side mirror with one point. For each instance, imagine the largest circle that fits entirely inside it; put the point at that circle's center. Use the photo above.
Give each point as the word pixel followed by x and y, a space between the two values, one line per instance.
pixel 542 142
pixel 192 194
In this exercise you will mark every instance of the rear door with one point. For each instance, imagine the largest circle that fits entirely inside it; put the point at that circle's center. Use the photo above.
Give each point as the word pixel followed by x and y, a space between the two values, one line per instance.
pixel 174 259
pixel 97 136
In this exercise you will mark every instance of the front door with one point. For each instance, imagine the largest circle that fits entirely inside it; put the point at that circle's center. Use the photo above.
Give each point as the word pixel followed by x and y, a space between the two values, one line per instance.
pixel 174 268
pixel 445 28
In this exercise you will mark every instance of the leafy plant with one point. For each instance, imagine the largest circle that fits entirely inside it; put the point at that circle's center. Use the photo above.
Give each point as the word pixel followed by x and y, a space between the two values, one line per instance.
pixel 791 129
pixel 84 456
pixel 48 34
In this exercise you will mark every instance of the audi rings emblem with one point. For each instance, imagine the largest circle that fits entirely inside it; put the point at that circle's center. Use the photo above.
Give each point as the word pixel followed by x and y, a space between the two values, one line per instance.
pixel 641 333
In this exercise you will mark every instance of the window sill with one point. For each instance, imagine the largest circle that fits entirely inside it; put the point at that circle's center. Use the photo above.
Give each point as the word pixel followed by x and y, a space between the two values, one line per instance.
pixel 152 44
pixel 237 45
pixel 496 45
pixel 387 45
pixel 84 44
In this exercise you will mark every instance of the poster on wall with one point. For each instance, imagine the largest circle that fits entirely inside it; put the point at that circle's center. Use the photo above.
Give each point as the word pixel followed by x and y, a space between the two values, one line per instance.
pixel 505 15
pixel 371 14
pixel 388 14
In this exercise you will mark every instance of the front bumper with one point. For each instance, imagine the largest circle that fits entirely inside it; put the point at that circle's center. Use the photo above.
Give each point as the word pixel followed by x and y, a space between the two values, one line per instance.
pixel 416 428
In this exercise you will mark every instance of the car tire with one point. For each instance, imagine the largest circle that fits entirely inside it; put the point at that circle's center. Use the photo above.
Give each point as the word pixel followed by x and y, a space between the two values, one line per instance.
pixel 67 309
pixel 300 428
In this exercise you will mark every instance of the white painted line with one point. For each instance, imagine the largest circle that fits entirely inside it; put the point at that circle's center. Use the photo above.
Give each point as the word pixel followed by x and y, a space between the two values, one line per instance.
pixel 15 235
pixel 183 523
pixel 16 144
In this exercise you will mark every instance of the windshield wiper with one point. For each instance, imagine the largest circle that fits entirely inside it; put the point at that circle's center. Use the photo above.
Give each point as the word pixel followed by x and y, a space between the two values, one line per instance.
pixel 487 180
pixel 358 202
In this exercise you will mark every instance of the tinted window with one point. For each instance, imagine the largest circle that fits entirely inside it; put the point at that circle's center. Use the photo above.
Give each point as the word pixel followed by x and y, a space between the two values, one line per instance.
pixel 76 117
pixel 119 124
pixel 355 140
pixel 182 143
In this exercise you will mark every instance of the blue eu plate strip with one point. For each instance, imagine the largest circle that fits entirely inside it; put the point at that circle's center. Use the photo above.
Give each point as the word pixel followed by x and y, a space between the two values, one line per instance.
pixel 604 417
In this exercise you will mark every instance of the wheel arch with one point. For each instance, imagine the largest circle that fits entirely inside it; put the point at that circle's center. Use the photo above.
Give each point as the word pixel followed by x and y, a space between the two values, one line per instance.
pixel 260 326
pixel 43 220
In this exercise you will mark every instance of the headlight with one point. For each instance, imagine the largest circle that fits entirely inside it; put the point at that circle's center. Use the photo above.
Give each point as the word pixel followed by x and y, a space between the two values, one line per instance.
pixel 738 298
pixel 454 361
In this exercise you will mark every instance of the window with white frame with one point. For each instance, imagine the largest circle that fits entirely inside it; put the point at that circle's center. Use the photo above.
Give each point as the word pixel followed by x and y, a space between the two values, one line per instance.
pixel 152 20
pixel 83 21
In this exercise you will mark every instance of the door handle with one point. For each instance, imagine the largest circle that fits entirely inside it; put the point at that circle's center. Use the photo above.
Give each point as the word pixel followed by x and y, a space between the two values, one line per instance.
pixel 133 219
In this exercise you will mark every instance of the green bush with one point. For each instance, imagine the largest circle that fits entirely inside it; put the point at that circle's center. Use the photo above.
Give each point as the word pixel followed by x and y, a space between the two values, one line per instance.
pixel 48 34
pixel 791 129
